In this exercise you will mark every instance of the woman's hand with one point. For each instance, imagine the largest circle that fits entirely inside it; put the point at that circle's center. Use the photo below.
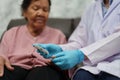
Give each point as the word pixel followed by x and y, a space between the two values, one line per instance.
pixel 5 63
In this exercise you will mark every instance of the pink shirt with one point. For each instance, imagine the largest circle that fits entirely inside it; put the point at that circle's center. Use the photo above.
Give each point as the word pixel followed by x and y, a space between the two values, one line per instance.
pixel 16 45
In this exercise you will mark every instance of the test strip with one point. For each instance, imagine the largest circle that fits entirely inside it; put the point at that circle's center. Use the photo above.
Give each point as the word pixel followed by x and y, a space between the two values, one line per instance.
pixel 41 49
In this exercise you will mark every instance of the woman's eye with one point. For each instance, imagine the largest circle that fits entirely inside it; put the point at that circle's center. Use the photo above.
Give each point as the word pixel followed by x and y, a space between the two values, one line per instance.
pixel 35 8
pixel 46 9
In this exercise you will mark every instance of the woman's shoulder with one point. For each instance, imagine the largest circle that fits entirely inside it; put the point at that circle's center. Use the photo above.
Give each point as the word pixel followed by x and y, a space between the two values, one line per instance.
pixel 14 30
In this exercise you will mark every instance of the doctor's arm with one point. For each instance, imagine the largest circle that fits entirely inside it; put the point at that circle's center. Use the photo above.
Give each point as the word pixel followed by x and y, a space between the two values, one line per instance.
pixel 103 49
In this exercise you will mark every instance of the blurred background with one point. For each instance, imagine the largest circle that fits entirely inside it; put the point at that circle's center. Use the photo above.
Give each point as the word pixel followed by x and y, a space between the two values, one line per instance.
pixel 65 9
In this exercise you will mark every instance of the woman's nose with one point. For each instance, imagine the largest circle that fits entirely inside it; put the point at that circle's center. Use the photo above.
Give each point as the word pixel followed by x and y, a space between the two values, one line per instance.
pixel 40 12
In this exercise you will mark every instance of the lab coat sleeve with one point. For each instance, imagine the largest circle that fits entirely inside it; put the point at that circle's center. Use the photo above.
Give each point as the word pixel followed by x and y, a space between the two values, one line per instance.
pixel 79 37
pixel 103 49
pixel 77 40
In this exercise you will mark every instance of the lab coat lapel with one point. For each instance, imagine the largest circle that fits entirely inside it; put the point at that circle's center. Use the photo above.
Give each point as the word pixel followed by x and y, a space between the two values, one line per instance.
pixel 99 8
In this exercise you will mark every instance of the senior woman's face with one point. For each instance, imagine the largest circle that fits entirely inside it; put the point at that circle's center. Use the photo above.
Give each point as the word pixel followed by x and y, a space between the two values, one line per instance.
pixel 37 13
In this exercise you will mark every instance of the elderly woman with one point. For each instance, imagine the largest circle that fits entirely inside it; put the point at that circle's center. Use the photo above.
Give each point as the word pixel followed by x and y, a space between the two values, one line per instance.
pixel 18 58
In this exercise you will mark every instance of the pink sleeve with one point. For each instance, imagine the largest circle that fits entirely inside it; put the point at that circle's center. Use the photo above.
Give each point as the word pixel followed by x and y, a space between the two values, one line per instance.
pixel 4 47
pixel 62 38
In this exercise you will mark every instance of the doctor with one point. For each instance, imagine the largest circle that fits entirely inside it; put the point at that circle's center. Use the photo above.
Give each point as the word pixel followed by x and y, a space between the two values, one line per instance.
pixel 95 42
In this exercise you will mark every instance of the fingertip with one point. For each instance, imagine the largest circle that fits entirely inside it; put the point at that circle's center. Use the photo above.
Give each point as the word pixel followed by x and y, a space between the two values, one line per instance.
pixel 53 56
pixel 49 61
pixel 9 67
pixel 1 73
pixel 12 68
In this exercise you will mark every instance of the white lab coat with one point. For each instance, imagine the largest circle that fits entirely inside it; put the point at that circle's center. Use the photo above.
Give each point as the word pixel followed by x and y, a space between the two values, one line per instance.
pixel 99 38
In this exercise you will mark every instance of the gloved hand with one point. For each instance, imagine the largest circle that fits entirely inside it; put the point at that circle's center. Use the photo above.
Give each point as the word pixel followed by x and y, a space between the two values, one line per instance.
pixel 51 48
pixel 68 59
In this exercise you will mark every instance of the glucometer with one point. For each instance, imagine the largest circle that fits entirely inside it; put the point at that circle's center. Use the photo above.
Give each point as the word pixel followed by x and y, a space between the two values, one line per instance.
pixel 41 49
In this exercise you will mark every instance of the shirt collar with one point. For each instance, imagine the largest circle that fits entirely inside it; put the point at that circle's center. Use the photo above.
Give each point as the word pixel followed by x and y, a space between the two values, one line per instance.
pixel 104 9
pixel 110 1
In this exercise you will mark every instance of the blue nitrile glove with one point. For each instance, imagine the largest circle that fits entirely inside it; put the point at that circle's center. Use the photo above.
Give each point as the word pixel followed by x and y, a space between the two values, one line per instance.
pixel 51 48
pixel 68 59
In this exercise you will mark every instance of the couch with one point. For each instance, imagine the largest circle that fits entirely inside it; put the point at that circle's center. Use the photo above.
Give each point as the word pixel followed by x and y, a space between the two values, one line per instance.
pixel 67 26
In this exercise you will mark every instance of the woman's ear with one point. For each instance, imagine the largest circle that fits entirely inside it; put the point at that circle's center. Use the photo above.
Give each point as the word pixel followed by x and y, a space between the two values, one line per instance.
pixel 24 15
